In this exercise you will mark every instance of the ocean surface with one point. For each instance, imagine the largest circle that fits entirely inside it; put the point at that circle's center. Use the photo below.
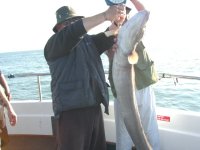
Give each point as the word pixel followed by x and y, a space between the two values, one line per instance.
pixel 184 94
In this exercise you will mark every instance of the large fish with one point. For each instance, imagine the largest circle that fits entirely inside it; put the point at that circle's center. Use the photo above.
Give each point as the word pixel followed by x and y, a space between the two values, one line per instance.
pixel 124 77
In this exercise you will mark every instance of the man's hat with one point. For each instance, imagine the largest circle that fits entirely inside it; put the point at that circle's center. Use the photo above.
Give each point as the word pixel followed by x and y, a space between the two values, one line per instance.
pixel 64 13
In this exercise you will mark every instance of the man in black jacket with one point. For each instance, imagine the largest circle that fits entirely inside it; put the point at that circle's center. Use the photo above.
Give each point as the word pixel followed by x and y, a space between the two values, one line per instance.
pixel 78 83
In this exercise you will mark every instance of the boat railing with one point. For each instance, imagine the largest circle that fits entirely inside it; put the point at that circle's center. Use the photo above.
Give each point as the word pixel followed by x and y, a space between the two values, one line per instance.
pixel 38 75
pixel 176 77
pixel 167 75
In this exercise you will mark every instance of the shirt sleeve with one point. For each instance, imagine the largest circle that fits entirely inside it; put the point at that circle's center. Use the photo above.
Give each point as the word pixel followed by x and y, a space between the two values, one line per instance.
pixel 103 42
pixel 62 42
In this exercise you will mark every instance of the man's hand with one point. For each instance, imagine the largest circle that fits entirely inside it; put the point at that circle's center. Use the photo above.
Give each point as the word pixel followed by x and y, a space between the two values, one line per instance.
pixel 115 12
pixel 138 5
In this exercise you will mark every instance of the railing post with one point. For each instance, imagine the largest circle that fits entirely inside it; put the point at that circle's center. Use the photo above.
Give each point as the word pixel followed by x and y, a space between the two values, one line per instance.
pixel 39 88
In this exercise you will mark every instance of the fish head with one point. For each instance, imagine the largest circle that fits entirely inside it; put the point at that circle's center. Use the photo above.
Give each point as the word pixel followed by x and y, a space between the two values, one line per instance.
pixel 132 32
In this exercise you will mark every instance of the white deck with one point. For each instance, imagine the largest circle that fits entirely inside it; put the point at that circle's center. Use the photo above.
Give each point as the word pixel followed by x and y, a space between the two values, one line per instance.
pixel 179 130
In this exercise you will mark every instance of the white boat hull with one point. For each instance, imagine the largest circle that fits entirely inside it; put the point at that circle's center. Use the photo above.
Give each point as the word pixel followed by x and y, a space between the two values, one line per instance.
pixel 179 130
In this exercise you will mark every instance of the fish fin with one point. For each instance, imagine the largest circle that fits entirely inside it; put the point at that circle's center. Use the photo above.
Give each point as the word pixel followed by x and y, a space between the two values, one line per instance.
pixel 133 58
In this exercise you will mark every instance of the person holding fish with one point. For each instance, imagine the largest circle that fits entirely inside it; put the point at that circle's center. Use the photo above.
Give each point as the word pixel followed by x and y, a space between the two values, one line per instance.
pixel 78 82
pixel 145 76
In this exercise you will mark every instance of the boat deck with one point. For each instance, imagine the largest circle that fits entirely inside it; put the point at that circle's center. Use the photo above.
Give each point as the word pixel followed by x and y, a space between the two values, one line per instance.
pixel 33 142
pixel 21 142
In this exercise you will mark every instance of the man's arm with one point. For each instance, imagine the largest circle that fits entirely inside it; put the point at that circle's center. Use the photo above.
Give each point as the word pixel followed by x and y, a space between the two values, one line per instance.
pixel 138 5
pixel 11 113
pixel 4 84
pixel 112 13
pixel 113 30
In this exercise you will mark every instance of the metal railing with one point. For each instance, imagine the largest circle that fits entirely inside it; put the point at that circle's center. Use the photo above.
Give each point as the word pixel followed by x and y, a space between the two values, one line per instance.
pixel 38 75
pixel 167 75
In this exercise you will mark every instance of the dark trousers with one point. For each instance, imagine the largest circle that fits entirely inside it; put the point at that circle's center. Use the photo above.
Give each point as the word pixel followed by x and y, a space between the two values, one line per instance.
pixel 81 129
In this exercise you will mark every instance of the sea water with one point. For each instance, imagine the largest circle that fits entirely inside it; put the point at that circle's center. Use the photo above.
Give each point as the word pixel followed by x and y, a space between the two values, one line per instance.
pixel 184 94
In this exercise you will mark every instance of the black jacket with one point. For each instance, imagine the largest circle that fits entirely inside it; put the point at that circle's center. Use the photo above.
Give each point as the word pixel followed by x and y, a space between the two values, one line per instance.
pixel 76 69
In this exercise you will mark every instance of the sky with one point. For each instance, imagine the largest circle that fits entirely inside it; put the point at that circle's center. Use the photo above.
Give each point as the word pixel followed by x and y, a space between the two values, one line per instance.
pixel 27 24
